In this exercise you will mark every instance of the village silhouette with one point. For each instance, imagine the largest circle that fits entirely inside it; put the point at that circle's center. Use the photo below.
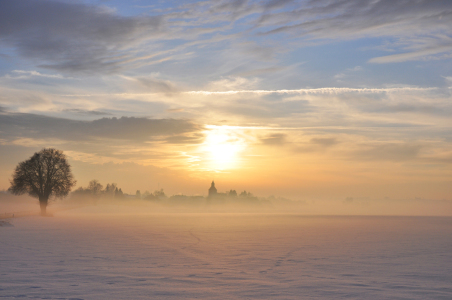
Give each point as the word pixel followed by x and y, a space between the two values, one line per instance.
pixel 96 192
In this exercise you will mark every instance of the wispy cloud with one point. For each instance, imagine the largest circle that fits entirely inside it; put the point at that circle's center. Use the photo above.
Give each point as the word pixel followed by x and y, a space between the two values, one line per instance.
pixel 274 139
pixel 388 151
pixel 27 74
pixel 124 128
pixel 76 37
pixel 86 112
pixel 419 28
pixel 327 90
pixel 415 55
pixel 73 37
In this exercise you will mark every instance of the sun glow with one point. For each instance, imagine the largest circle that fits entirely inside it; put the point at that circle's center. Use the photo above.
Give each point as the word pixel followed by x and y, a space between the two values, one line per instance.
pixel 222 148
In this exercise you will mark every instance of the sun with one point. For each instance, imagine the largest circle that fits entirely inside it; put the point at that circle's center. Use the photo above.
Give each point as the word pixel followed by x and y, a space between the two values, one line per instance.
pixel 222 147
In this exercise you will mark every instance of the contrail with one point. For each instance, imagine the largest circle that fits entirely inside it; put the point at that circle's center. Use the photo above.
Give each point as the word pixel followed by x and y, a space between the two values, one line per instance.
pixel 326 90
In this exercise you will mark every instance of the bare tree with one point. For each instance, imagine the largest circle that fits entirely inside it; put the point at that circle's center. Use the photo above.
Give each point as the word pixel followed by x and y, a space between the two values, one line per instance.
pixel 110 189
pixel 47 173
pixel 92 193
pixel 95 187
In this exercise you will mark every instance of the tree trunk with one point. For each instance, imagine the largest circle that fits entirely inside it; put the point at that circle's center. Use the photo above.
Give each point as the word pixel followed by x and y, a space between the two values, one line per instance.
pixel 43 204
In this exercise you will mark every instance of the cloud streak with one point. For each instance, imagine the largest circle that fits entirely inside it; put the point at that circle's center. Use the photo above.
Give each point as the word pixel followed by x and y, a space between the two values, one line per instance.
pixel 326 90
pixel 27 74
pixel 421 24
pixel 80 38
pixel 125 128
pixel 73 37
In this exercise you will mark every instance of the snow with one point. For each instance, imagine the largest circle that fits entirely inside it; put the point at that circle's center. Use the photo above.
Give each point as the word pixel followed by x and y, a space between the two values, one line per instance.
pixel 82 254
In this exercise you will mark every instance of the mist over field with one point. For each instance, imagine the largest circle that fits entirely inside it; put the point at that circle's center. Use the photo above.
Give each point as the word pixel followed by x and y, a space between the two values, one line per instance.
pixel 185 247
pixel 10 204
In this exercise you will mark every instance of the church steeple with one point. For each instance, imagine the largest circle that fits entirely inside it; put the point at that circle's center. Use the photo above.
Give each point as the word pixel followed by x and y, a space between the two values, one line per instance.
pixel 212 190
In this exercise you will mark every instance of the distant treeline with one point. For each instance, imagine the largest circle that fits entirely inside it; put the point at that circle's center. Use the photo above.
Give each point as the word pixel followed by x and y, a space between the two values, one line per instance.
pixel 96 191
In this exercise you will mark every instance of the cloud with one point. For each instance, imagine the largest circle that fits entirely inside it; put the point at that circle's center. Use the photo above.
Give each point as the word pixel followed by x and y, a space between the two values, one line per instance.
pixel 27 74
pixel 347 72
pixel 229 84
pixel 355 69
pixel 92 158
pixel 421 103
pixel 324 142
pixel 421 28
pixel 226 87
pixel 175 110
pixel 87 112
pixel 258 71
pixel 40 127
pixel 31 142
pixel 262 108
pixel 277 3
pixel 317 145
pixel 411 108
pixel 73 37
pixel 355 18
pixel 416 55
pixel 326 90
pixel 196 138
pixel 157 85
pixel 388 152
pixel 275 139
pixel 342 107
pixel 235 8
pixel 79 38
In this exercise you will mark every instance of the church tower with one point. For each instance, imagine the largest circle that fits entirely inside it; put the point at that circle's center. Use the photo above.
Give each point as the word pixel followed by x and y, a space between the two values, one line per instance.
pixel 212 190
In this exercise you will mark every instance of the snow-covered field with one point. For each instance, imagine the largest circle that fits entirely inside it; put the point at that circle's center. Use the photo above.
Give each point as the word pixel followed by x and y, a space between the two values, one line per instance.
pixel 81 254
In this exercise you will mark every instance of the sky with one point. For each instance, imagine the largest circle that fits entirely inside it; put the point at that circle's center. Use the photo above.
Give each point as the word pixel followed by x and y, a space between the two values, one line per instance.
pixel 303 99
